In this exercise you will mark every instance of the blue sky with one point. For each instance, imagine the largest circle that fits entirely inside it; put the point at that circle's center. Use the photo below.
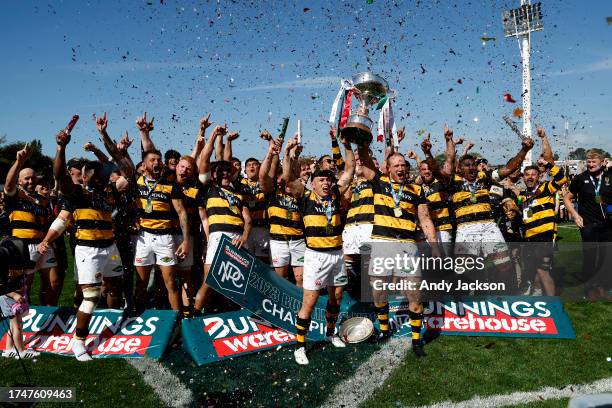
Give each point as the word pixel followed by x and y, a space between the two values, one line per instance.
pixel 252 63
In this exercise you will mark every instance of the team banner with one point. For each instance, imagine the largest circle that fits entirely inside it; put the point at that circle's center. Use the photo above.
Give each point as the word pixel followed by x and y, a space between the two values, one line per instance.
pixel 254 285
pixel 227 335
pixel 111 334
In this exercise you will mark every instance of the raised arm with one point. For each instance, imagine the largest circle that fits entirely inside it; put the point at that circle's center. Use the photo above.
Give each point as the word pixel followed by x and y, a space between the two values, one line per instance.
pixel 344 183
pixel 547 153
pixel 145 127
pixel 201 139
pixel 10 186
pixel 515 162
pixel 336 155
pixel 368 169
pixel 117 151
pixel 267 170
pixel 228 152
pixel 64 182
pixel 431 161
pixel 90 147
pixel 204 160
pixel 289 176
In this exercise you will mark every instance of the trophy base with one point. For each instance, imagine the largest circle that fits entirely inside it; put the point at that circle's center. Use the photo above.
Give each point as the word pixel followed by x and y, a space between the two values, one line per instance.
pixel 357 133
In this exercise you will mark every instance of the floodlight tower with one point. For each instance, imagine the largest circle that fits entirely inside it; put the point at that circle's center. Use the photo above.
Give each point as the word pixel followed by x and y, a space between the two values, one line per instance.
pixel 520 23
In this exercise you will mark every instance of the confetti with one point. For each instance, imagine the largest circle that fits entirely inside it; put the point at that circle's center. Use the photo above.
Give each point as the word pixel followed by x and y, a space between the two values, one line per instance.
pixel 509 98
pixel 518 112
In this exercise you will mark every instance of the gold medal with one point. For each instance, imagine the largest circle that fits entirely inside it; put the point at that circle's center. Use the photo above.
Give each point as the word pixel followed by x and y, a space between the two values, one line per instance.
pixel 529 213
pixel 397 212
pixel 234 209
pixel 473 198
pixel 329 229
pixel 149 206
pixel 598 199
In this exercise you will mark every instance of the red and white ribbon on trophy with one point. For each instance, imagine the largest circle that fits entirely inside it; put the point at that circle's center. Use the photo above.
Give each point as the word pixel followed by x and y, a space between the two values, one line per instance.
pixel 343 101
pixel 386 124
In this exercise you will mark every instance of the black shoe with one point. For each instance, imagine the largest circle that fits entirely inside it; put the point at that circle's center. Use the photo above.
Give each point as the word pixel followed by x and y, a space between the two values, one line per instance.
pixel 418 351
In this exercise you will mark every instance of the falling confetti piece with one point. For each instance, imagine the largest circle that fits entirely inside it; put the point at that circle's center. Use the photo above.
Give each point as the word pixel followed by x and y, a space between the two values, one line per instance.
pixel 487 39
pixel 306 9
pixel 369 1
pixel 476 119
pixel 509 98
pixel 518 112
pixel 420 132
pixel 609 20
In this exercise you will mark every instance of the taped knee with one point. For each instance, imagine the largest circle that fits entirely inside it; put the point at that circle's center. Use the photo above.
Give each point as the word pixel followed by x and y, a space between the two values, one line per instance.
pixel 91 296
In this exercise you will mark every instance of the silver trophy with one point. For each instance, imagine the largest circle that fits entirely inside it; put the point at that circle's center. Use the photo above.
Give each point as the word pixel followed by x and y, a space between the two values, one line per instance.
pixel 369 89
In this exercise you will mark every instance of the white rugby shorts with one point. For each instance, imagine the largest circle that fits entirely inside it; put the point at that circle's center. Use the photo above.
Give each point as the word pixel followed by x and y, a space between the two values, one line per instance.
pixel 323 269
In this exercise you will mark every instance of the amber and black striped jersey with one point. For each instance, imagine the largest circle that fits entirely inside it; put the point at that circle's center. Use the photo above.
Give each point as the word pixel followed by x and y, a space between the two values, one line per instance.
pixel 362 204
pixel 29 215
pixel 471 202
pixel 336 155
pixel 92 212
pixel 224 209
pixel 322 221
pixel 156 213
pixel 436 195
pixel 255 200
pixel 285 217
pixel 395 222
pixel 539 222
pixel 193 200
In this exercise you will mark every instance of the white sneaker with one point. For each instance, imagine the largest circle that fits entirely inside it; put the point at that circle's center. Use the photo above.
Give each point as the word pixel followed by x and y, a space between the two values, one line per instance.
pixel 80 351
pixel 300 356
pixel 11 353
pixel 335 341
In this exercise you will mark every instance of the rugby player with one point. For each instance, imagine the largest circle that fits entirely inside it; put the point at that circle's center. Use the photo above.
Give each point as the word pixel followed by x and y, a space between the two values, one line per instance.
pixel 29 214
pixel 96 255
pixel 225 207
pixel 471 196
pixel 323 260
pixel 539 219
pixel 398 206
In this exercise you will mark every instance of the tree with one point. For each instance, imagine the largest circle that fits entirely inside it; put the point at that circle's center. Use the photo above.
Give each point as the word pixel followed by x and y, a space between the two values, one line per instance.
pixel 580 153
pixel 43 165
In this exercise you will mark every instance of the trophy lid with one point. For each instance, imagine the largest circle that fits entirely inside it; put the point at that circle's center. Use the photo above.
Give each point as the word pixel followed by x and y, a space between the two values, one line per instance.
pixel 369 83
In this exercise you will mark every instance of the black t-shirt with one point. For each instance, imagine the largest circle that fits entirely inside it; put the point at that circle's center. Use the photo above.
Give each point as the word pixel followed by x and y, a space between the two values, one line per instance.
pixel 583 186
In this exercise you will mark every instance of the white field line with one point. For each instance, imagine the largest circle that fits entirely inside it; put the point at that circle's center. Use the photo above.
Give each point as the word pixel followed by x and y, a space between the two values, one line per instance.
pixel 166 385
pixel 370 375
pixel 546 393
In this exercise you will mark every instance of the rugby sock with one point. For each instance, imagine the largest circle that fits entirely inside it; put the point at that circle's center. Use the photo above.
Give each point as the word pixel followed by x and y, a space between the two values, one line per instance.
pixel 81 334
pixel 416 321
pixel 331 316
pixel 301 326
pixel 382 313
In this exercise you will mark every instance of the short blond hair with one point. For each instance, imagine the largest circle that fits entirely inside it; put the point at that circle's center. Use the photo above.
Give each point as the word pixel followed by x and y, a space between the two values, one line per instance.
pixel 594 154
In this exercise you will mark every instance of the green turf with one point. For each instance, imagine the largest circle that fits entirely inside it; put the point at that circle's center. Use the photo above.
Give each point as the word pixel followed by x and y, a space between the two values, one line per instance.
pixel 457 368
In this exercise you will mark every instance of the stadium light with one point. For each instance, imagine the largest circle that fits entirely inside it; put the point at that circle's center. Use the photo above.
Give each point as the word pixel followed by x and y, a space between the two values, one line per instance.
pixel 520 23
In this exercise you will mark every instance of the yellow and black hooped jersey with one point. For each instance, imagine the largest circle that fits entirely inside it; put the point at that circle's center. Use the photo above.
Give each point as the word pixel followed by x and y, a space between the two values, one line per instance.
pixel 255 200
pixel 471 202
pixel 224 209
pixel 395 209
pixel 436 195
pixel 29 215
pixel 92 212
pixel 538 206
pixel 156 213
pixel 362 204
pixel 285 217
pixel 322 221
pixel 193 200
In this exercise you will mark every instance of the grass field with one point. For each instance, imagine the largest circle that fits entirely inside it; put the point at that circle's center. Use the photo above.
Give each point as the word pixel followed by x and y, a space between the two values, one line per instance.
pixel 456 369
